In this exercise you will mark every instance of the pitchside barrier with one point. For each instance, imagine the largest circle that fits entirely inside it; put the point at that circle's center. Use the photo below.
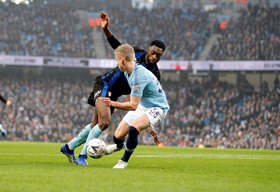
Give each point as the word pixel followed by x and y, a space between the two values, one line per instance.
pixel 194 66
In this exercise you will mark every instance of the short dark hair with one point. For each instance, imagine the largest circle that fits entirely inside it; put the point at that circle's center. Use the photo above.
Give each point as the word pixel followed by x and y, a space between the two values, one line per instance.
pixel 158 43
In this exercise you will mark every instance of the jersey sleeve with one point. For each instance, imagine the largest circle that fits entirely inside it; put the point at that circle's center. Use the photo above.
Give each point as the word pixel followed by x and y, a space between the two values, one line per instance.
pixel 114 42
pixel 138 85
pixel 3 99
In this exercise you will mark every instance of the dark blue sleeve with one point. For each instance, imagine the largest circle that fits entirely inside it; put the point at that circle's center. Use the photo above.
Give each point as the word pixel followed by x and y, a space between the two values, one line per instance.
pixel 3 99
pixel 113 42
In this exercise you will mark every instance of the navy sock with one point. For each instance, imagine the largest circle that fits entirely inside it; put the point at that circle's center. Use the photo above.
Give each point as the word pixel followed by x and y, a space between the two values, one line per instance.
pixel 131 143
pixel 118 142
pixel 68 149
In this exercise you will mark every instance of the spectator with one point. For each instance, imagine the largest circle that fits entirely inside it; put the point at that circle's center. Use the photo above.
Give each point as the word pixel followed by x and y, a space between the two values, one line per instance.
pixel 208 113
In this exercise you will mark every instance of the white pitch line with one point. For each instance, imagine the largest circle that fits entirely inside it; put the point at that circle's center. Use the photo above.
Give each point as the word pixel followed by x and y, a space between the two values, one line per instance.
pixel 29 154
pixel 192 156
pixel 187 156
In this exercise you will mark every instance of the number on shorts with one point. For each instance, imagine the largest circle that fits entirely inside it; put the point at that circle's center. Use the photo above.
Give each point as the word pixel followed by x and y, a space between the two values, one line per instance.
pixel 154 112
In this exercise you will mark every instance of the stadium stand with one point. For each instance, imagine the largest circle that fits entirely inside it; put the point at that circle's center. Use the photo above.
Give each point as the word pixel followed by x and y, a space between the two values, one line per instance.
pixel 58 30
pixel 51 106
pixel 243 41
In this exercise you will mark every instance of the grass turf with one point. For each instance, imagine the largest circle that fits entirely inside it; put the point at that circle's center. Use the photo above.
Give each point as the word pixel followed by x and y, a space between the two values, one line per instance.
pixel 31 166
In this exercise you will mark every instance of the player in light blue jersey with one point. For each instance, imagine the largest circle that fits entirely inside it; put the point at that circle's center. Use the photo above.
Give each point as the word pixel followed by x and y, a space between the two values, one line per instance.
pixel 153 95
pixel 148 104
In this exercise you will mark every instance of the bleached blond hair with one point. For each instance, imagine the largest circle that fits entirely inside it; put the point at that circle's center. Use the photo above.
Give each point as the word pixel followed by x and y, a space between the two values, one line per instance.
pixel 126 51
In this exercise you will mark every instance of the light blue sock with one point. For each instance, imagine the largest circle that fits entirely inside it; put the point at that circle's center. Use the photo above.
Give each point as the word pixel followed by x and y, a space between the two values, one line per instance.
pixel 95 132
pixel 80 138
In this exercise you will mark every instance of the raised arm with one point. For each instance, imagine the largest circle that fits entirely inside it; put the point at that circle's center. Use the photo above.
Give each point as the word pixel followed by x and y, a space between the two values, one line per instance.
pixel 110 37
pixel 104 24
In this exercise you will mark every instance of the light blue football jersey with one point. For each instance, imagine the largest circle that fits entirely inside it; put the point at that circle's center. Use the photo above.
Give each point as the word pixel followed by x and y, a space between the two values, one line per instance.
pixel 144 84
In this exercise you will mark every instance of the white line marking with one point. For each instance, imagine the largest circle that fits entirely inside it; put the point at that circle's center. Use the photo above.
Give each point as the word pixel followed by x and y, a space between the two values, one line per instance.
pixel 29 154
pixel 187 156
pixel 213 156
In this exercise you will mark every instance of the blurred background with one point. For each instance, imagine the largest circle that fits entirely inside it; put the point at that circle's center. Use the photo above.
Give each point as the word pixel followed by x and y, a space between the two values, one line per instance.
pixel 220 70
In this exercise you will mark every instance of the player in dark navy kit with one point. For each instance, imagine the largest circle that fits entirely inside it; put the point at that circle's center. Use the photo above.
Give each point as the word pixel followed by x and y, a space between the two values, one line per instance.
pixel 8 102
pixel 147 58
pixel 113 85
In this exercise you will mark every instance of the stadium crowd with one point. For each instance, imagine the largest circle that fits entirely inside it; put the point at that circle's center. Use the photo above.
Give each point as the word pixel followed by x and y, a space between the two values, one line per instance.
pixel 244 41
pixel 52 107
pixel 56 29
pixel 42 29
pixel 186 28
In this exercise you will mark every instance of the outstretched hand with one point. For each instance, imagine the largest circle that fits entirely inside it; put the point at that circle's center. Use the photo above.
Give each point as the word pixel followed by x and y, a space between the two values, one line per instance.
pixel 104 20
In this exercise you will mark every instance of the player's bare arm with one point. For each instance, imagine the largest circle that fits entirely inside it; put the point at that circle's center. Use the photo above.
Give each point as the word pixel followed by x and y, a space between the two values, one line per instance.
pixel 129 105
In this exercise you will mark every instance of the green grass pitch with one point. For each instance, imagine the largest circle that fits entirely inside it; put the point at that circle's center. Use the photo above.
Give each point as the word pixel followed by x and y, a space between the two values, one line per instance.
pixel 30 166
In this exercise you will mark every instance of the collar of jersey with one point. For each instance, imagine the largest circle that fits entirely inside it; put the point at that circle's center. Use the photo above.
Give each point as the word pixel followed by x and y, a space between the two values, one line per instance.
pixel 129 75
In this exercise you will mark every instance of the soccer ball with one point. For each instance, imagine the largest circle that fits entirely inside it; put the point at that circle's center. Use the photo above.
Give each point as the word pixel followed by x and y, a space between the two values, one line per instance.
pixel 96 148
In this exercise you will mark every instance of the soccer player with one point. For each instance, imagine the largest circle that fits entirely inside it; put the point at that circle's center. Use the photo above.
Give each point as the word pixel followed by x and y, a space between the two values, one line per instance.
pixel 147 58
pixel 8 102
pixel 112 84
pixel 148 103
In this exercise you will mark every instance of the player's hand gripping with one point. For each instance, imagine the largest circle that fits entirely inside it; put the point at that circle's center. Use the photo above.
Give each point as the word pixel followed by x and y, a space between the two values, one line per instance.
pixel 104 20
pixel 107 101
pixel 154 134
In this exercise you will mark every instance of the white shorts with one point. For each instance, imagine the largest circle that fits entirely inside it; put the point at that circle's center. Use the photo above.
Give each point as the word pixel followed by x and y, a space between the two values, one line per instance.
pixel 154 114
